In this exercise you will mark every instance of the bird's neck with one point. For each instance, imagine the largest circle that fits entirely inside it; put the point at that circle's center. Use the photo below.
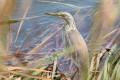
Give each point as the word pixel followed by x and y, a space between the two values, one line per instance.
pixel 69 26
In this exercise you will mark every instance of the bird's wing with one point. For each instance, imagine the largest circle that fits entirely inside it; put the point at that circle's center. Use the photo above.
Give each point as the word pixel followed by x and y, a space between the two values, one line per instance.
pixel 80 54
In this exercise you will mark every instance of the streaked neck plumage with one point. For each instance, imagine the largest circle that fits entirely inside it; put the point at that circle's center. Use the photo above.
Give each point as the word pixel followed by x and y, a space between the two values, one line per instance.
pixel 69 24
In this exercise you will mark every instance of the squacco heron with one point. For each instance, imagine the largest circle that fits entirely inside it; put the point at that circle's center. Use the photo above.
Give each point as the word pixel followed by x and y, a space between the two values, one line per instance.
pixel 72 37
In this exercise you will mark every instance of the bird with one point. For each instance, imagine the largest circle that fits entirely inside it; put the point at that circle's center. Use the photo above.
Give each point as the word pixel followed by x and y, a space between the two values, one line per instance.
pixel 72 37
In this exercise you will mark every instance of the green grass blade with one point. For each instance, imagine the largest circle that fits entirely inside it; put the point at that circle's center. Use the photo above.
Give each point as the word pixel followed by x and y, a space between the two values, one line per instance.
pixel 115 71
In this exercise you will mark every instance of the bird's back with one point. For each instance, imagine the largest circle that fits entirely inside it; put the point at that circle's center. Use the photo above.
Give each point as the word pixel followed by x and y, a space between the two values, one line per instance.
pixel 80 55
pixel 77 40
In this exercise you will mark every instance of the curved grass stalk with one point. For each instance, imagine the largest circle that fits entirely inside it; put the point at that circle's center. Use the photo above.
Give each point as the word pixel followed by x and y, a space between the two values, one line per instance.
pixel 66 4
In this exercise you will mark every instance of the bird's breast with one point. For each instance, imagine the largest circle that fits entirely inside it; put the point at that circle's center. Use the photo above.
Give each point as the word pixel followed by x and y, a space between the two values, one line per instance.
pixel 75 39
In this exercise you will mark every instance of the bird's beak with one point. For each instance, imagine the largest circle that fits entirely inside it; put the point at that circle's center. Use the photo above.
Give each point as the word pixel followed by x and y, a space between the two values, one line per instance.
pixel 52 14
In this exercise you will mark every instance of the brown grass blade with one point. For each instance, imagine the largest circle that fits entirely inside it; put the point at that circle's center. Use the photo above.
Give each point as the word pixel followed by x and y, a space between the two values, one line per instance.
pixel 25 68
pixel 104 20
pixel 6 9
pixel 24 16
pixel 37 47
pixel 66 4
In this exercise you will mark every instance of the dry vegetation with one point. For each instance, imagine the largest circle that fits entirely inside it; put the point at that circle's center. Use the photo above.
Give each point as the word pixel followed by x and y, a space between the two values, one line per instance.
pixel 103 45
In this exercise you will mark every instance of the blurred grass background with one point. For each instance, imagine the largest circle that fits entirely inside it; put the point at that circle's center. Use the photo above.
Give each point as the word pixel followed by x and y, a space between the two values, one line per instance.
pixel 32 46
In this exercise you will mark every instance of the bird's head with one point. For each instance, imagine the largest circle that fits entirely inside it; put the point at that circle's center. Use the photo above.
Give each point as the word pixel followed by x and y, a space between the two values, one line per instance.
pixel 67 17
